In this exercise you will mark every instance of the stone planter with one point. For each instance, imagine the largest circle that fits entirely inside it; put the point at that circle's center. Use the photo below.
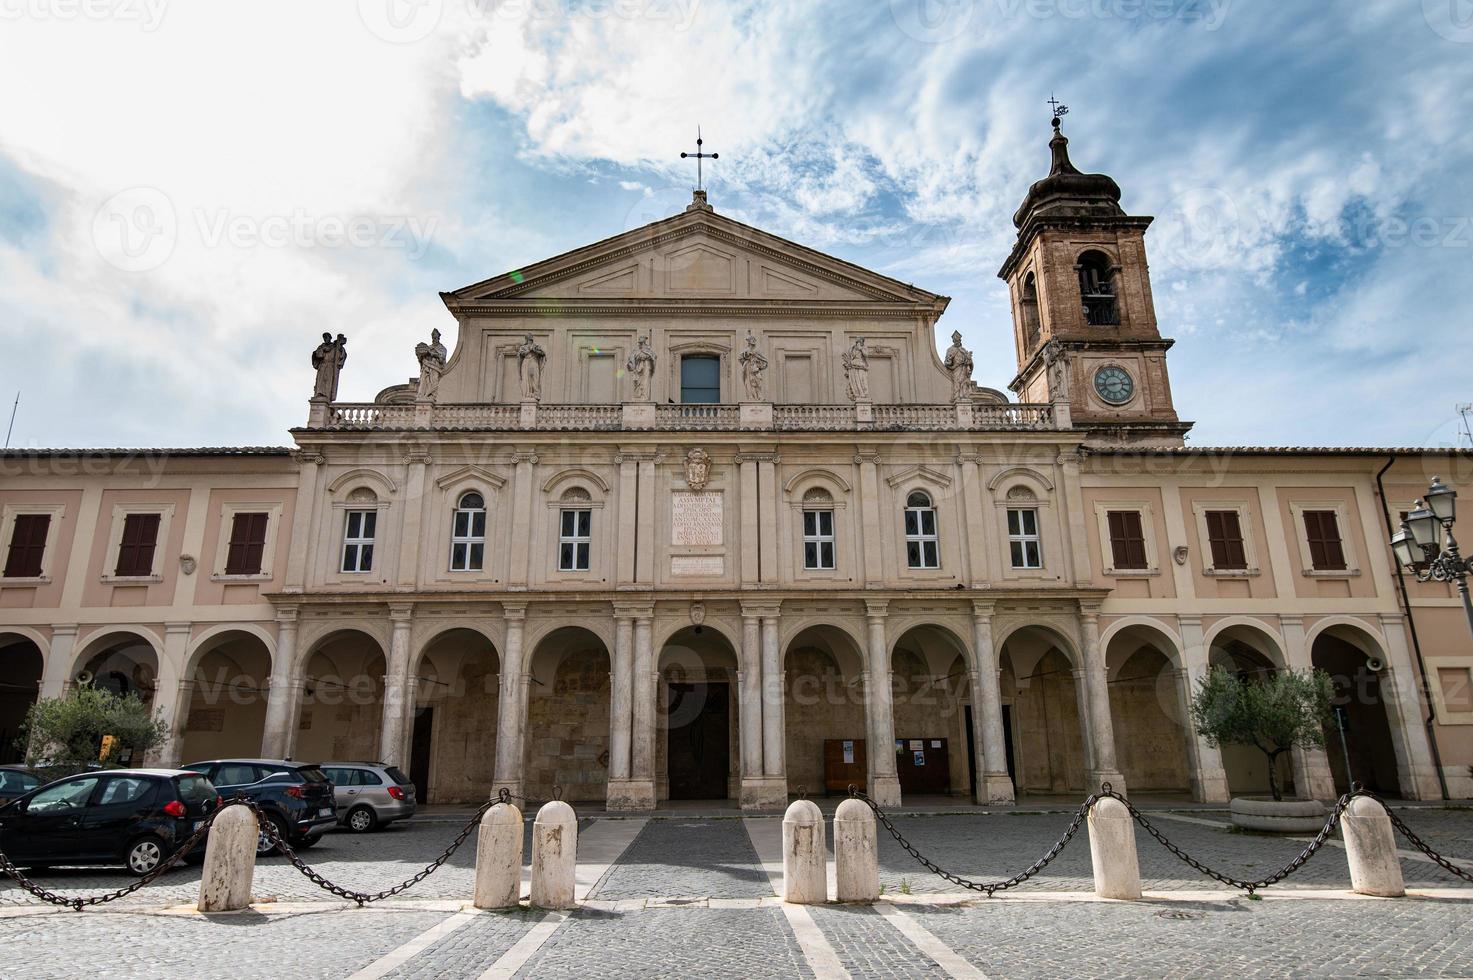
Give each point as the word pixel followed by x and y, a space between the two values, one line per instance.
pixel 1279 817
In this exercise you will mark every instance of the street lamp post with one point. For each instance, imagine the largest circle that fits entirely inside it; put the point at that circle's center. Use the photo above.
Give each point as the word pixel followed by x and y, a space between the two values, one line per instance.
pixel 1425 544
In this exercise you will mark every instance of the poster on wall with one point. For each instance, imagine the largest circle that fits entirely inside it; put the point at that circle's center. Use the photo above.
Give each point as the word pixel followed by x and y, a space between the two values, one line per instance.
pixel 920 758
pixel 848 752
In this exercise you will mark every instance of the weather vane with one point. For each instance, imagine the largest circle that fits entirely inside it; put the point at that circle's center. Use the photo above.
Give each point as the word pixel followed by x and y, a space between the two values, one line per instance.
pixel 700 177
pixel 1060 109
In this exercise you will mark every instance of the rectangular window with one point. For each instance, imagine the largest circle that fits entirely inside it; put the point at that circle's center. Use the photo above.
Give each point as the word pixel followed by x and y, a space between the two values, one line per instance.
pixel 247 544
pixel 468 540
pixel 1225 540
pixel 574 539
pixel 1127 539
pixel 700 379
pixel 135 551
pixel 1322 529
pixel 818 539
pixel 27 545
pixel 358 535
pixel 1024 543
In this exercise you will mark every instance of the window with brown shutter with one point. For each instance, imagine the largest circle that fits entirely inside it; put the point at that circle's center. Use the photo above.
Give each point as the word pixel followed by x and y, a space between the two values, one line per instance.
pixel 27 546
pixel 135 551
pixel 1127 539
pixel 1322 529
pixel 1225 540
pixel 247 544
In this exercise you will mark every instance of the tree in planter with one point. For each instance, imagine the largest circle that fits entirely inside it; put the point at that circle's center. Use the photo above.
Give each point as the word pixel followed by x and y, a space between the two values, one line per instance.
pixel 1272 714
pixel 67 732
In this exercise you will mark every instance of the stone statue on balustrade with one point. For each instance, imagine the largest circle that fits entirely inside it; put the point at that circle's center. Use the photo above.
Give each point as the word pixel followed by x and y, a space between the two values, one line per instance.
pixel 328 359
pixel 958 364
pixel 641 367
pixel 530 358
pixel 856 371
pixel 431 357
pixel 754 369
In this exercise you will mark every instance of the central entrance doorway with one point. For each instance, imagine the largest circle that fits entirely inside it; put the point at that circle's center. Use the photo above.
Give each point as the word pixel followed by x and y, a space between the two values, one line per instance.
pixel 698 747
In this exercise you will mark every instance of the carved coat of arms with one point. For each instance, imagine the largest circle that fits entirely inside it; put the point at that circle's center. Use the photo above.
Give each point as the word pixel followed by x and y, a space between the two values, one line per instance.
pixel 697 469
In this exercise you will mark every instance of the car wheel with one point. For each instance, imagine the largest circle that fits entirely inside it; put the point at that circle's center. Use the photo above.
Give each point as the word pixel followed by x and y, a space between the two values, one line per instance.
pixel 145 855
pixel 362 819
pixel 264 846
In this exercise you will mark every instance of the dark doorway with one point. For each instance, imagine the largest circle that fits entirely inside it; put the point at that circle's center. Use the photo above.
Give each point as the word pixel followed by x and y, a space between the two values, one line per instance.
pixel 20 681
pixel 699 751
pixel 971 755
pixel 419 752
pixel 1007 741
pixel 1358 736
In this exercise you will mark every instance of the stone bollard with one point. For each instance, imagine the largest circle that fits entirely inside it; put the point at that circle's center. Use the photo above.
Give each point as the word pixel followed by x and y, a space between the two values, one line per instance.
pixel 805 874
pixel 230 862
pixel 554 856
pixel 1370 847
pixel 1112 850
pixel 499 858
pixel 856 852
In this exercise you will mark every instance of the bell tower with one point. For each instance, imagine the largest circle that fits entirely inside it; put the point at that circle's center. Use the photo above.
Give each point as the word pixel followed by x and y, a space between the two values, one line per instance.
pixel 1084 321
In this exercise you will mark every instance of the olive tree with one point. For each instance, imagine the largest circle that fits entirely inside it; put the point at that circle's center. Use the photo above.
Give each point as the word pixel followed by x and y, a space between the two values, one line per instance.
pixel 69 731
pixel 1272 714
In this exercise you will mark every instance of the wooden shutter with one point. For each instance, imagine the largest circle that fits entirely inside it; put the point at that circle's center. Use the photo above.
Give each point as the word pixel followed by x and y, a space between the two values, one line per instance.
pixel 1127 539
pixel 1322 529
pixel 27 545
pixel 135 552
pixel 1225 538
pixel 247 544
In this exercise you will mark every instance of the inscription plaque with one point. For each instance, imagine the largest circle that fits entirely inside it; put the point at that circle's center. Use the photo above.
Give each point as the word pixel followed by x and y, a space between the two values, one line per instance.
pixel 704 565
pixel 696 520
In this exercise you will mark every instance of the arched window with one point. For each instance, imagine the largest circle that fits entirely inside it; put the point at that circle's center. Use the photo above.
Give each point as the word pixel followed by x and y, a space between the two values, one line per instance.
pixel 818 530
pixel 360 528
pixel 921 544
pixel 468 534
pixel 1097 289
pixel 575 531
pixel 1028 306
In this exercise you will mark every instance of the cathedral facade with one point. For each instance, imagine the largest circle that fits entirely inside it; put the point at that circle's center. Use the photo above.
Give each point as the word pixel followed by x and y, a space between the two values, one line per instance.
pixel 696 512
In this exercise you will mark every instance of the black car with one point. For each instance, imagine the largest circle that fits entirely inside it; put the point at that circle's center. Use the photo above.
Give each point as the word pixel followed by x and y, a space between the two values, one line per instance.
pixel 17 781
pixel 133 817
pixel 296 797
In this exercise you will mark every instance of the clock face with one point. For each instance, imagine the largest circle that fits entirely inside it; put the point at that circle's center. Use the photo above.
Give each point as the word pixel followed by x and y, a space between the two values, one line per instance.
pixel 1114 385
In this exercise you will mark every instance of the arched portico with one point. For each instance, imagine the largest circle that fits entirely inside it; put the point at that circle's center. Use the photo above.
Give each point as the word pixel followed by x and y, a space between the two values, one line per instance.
pixel 1359 742
pixel 1044 711
pixel 22 662
pixel 825 727
pixel 222 707
pixel 568 715
pixel 455 685
pixel 1250 650
pixel 1148 707
pixel 340 703
pixel 698 746
pixel 929 680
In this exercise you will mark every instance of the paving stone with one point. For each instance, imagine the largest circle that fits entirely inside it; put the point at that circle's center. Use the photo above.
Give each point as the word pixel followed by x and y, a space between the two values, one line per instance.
pixel 688 858
pixel 868 946
pixel 470 950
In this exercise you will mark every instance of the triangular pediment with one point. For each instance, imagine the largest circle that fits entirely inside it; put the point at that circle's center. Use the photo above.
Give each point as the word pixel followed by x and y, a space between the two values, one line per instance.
pixel 696 255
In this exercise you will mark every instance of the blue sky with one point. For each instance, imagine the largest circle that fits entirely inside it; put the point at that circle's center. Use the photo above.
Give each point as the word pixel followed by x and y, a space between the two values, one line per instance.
pixel 190 193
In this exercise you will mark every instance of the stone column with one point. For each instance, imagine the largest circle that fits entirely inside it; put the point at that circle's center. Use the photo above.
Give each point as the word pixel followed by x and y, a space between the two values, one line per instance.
pixel 1099 729
pixel 1313 778
pixel 171 699
pixel 884 784
pixel 510 722
pixel 774 694
pixel 641 795
pixel 1415 770
pixel 58 665
pixel 621 712
pixel 392 735
pixel 1209 778
pixel 994 785
pixel 279 701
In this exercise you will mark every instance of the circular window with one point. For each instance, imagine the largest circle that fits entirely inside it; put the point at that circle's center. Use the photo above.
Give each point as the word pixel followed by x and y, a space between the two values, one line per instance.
pixel 1114 385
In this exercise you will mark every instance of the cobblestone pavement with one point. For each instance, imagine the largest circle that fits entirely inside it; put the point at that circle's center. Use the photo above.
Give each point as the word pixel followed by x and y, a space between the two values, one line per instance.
pixel 725 921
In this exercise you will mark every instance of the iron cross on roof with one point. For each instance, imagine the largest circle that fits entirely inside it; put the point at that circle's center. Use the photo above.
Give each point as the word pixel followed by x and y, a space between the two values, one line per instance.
pixel 700 176
pixel 1059 108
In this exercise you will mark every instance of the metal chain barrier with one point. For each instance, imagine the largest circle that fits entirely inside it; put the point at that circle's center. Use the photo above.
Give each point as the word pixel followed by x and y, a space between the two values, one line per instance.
pixel 988 887
pixel 1422 845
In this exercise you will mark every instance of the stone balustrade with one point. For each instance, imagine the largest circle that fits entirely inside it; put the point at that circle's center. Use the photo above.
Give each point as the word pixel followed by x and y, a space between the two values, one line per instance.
pixel 686 418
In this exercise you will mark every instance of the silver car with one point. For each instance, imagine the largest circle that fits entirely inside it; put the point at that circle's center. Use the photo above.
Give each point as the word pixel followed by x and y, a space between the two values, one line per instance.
pixel 370 794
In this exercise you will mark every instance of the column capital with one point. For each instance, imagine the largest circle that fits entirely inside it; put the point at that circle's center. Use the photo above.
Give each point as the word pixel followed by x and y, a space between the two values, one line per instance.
pixel 1189 620
pixel 177 628
pixel 876 608
pixel 401 613
pixel 1089 610
pixel 633 609
pixel 964 458
pixel 514 612
pixel 862 458
pixel 518 457
pixel 63 629
pixel 1291 620
pixel 287 615
pixel 1391 620
pixel 741 458
pixel 420 457
pixel 982 609
pixel 768 608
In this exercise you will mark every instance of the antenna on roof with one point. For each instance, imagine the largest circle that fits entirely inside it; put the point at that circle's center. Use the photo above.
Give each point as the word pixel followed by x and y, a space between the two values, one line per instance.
pixel 1467 433
pixel 11 428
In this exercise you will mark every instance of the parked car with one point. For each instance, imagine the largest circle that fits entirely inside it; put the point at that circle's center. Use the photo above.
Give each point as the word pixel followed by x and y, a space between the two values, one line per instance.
pixel 370 794
pixel 17 781
pixel 296 797
pixel 133 817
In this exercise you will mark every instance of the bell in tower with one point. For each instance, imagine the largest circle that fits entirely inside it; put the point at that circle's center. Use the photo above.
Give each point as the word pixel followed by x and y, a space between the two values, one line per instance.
pixel 1083 318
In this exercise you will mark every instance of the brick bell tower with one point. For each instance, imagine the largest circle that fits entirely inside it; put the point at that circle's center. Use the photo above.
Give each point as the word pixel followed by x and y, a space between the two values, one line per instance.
pixel 1083 318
